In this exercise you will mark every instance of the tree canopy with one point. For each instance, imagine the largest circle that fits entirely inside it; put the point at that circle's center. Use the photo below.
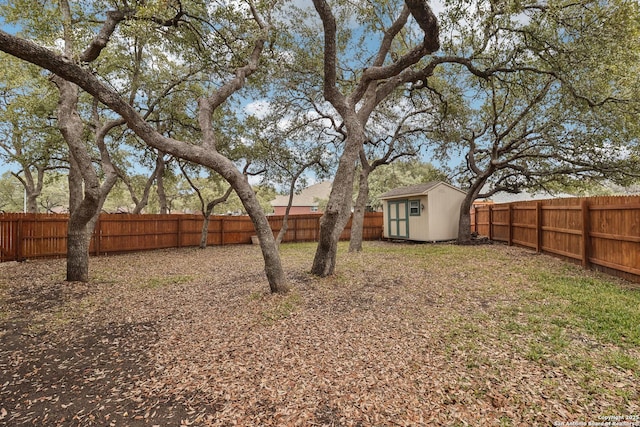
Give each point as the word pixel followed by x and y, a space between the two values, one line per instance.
pixel 511 95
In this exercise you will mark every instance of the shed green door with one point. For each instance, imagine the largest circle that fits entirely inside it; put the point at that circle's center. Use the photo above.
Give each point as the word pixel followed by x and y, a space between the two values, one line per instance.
pixel 399 219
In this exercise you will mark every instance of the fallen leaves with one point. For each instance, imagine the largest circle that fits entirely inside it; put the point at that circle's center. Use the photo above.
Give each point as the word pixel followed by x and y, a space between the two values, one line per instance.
pixel 391 339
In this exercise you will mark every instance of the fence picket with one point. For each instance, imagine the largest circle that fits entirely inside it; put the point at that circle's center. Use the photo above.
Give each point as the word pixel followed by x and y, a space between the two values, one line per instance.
pixel 24 236
pixel 598 232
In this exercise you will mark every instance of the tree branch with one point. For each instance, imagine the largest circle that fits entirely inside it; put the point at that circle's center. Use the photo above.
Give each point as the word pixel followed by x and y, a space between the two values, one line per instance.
pixel 114 17
pixel 331 92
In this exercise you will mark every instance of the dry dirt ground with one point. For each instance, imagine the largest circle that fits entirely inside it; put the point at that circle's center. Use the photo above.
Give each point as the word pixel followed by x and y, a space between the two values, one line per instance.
pixel 401 335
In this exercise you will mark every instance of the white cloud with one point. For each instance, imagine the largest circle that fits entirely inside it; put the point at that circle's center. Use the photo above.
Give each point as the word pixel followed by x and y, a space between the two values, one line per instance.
pixel 259 108
pixel 437 6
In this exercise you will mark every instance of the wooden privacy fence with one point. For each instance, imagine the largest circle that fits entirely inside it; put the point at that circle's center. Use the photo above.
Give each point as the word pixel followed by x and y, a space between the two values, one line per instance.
pixel 26 236
pixel 597 232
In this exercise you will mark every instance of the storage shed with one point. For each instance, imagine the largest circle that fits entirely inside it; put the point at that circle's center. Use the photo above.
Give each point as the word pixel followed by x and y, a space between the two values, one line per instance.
pixel 422 212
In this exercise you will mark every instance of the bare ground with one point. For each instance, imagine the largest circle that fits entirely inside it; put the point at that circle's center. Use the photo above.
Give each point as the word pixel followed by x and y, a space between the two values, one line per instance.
pixel 423 335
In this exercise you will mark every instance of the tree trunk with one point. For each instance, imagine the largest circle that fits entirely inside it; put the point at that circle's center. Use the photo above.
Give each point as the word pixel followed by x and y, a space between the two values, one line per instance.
pixel 357 220
pixel 162 195
pixel 83 190
pixel 272 263
pixel 79 227
pixel 32 201
pixel 205 154
pixel 284 228
pixel 285 219
pixel 464 222
pixel 205 228
pixel 32 189
pixel 86 195
pixel 338 210
pixel 78 238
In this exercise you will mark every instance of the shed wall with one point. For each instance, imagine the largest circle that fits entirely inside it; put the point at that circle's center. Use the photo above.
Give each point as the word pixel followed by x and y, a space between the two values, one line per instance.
pixel 385 219
pixel 439 218
pixel 444 206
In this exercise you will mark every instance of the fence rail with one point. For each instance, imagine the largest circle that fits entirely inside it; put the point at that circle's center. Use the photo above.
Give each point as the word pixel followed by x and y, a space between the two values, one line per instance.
pixel 597 232
pixel 27 236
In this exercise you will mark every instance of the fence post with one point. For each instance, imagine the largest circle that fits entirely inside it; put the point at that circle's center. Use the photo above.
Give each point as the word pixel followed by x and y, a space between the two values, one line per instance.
pixel 222 232
pixel 490 222
pixel 586 241
pixel 538 227
pixel 509 226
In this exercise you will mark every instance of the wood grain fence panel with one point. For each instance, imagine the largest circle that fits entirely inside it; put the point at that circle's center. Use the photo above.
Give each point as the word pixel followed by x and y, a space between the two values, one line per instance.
pixel 8 238
pixel 474 219
pixel 301 228
pixel 43 237
pixel 482 220
pixel 169 232
pixel 238 230
pixel 25 236
pixel 188 230
pixel 524 225
pixel 347 231
pixel 307 228
pixel 500 222
pixel 372 226
pixel 615 237
pixel 598 232
pixel 562 229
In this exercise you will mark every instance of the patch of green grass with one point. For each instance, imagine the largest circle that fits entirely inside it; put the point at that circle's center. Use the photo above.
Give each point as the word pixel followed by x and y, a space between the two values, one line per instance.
pixel 628 396
pixel 601 308
pixel 103 277
pixel 420 250
pixel 256 296
pixel 536 352
pixel 623 360
pixel 160 282
pixel 581 363
pixel 514 327
pixel 505 421
pixel 282 307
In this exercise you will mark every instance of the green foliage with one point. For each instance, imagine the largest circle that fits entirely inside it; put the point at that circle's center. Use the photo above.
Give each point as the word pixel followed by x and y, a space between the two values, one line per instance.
pixel 55 193
pixel 580 132
pixel 590 46
pixel 400 174
pixel 29 138
pixel 11 194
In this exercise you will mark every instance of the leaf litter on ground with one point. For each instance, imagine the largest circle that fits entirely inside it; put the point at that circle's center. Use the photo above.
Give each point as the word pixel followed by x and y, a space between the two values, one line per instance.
pixel 402 334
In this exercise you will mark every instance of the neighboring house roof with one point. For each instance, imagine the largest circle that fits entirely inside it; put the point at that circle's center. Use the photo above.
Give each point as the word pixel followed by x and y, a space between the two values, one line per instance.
pixel 416 190
pixel 310 196
pixel 523 196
